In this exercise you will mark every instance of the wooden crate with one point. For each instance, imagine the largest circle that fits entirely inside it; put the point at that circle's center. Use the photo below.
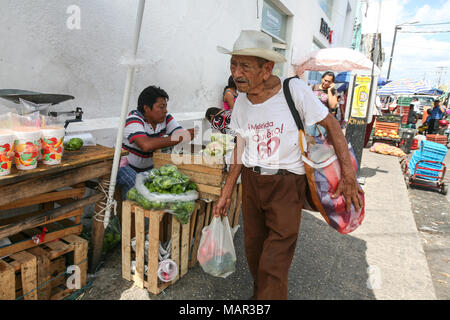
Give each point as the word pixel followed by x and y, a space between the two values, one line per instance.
pixel 386 126
pixel 203 171
pixel 202 218
pixel 157 222
pixel 59 227
pixel 39 273
pixel 438 138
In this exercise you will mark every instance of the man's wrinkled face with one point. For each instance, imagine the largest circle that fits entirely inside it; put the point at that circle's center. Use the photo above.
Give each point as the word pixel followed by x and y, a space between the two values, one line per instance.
pixel 247 72
pixel 158 112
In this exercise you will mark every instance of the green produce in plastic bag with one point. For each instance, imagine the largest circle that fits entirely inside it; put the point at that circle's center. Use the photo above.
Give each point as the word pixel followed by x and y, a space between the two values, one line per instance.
pixel 165 182
pixel 154 173
pixel 132 194
pixel 143 202
pixel 177 189
pixel 191 186
pixel 168 170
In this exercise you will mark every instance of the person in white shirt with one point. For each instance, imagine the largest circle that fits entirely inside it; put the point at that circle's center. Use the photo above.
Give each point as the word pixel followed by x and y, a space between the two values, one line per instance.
pixel 269 157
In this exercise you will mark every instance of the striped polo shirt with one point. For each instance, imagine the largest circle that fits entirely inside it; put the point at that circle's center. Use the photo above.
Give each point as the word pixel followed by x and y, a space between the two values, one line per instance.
pixel 136 126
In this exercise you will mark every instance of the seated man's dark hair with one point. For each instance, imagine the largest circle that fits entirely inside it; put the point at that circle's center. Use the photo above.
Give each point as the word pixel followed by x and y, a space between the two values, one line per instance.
pixel 212 111
pixel 149 96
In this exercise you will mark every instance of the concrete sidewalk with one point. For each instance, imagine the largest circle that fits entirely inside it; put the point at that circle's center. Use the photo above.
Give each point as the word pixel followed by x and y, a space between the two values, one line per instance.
pixel 382 259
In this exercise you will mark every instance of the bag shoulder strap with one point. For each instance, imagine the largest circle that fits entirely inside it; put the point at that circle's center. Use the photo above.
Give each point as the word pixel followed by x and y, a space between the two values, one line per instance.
pixel 291 104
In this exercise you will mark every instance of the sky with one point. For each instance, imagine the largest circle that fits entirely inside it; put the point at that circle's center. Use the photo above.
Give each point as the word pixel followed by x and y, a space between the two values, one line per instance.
pixel 418 56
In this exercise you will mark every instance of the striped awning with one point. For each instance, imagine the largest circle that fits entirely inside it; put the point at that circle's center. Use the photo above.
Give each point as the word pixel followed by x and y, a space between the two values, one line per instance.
pixel 403 87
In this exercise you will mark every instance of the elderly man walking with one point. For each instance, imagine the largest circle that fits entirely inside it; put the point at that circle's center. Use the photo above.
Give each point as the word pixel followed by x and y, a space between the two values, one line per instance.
pixel 269 157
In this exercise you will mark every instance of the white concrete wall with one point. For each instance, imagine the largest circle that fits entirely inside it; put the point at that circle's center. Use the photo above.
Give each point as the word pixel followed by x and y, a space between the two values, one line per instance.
pixel 178 43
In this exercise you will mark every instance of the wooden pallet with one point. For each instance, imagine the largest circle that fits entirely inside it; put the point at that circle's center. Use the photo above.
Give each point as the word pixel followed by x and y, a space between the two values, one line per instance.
pixel 208 175
pixel 39 273
pixel 177 232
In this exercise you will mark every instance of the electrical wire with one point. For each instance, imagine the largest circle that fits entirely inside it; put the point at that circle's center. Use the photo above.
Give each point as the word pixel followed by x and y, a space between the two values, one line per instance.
pixel 439 31
pixel 428 24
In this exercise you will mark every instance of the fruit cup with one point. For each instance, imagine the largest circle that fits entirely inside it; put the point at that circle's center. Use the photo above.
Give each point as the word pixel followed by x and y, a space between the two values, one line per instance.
pixel 27 147
pixel 52 145
pixel 6 151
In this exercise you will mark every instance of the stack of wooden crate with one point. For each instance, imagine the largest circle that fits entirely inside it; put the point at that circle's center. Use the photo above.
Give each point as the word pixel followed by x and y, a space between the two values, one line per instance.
pixel 185 238
pixel 41 272
pixel 36 269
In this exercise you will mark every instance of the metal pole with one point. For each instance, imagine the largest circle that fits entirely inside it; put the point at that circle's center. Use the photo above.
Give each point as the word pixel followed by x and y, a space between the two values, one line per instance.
pixel 392 52
pixel 126 98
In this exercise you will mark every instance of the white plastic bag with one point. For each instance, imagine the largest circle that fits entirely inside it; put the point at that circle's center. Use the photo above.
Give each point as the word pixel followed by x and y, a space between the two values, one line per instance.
pixel 216 253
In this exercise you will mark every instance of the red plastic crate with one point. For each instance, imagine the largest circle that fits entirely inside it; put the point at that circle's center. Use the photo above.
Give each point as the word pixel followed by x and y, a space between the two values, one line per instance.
pixel 438 138
pixel 404 110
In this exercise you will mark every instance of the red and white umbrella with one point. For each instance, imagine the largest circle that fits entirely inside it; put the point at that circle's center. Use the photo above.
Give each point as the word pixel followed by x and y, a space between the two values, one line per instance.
pixel 334 59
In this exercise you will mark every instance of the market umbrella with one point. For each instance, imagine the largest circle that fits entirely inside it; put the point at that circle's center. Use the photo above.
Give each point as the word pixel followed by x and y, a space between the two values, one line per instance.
pixel 403 87
pixel 334 59
pixel 343 77
pixel 431 92
pixel 125 101
pixel 382 81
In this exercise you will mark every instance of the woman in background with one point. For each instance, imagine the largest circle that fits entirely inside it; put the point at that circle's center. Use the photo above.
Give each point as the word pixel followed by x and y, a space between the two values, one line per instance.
pixel 229 94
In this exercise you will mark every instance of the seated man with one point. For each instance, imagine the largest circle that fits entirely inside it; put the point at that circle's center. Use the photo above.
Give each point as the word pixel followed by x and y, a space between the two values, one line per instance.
pixel 147 129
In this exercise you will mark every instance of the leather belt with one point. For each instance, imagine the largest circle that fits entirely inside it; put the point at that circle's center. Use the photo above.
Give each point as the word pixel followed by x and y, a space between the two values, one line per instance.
pixel 265 171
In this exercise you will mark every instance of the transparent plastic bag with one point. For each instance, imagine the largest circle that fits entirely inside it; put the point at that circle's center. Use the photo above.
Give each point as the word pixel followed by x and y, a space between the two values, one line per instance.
pixel 26 107
pixel 173 192
pixel 6 121
pixel 216 253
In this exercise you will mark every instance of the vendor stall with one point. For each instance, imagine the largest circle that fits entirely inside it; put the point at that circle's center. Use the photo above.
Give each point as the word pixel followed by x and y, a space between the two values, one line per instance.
pixel 147 226
pixel 37 244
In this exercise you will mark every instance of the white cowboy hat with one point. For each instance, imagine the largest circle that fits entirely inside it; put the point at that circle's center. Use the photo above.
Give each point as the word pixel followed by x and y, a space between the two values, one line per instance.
pixel 254 43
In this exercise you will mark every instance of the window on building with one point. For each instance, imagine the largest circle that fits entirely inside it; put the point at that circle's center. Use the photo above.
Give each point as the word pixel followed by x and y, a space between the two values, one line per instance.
pixel 274 23
pixel 327 7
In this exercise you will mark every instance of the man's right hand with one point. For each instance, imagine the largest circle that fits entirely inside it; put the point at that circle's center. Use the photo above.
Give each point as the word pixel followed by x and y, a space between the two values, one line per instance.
pixel 221 206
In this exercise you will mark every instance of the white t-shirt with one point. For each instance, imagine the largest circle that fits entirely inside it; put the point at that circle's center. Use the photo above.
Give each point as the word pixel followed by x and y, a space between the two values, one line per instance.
pixel 269 129
pixel 416 106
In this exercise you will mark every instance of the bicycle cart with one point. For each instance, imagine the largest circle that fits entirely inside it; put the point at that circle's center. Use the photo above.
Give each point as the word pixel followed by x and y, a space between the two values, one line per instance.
pixel 426 176
pixel 426 167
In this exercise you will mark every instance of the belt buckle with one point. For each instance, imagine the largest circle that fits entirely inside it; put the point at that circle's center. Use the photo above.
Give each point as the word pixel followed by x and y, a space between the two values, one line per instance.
pixel 268 172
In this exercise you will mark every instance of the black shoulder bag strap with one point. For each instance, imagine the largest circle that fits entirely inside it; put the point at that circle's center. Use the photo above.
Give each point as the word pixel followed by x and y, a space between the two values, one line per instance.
pixel 291 104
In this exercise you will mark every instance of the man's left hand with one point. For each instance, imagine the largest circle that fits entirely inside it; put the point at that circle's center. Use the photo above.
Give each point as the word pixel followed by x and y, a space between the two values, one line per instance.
pixel 350 189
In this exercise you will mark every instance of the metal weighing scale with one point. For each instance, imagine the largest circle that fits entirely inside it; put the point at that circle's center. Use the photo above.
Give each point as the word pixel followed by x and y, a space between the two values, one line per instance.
pixel 43 98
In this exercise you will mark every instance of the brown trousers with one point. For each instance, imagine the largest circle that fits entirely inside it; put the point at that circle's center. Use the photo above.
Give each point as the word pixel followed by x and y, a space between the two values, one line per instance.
pixel 271 208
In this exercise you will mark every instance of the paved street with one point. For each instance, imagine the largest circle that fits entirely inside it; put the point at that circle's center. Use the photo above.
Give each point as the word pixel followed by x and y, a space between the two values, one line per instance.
pixel 384 259
pixel 432 215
